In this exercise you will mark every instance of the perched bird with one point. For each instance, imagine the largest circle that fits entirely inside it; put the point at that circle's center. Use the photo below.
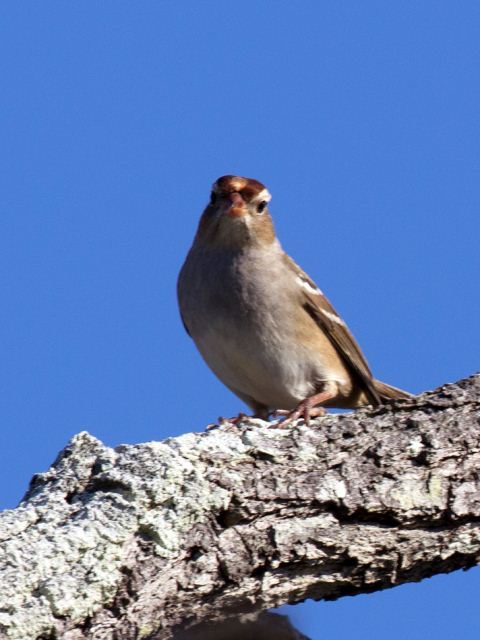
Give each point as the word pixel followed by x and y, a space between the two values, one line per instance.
pixel 261 324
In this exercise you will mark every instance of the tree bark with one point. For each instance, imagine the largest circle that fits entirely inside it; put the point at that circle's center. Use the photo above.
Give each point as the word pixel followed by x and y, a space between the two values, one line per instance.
pixel 146 541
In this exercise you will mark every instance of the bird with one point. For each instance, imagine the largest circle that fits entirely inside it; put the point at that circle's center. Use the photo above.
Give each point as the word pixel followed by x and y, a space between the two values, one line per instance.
pixel 260 322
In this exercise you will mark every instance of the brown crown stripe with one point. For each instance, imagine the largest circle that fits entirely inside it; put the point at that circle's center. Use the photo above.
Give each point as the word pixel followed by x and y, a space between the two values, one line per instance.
pixel 247 187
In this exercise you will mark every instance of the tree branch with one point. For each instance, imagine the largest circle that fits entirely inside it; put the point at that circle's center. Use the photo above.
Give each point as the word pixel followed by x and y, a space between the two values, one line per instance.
pixel 141 541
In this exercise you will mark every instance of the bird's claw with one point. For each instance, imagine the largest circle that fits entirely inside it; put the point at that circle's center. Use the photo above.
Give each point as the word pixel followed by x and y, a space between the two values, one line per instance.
pixel 304 410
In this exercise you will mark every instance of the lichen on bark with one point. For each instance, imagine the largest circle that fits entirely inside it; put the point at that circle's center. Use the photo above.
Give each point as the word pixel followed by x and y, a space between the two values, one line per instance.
pixel 144 541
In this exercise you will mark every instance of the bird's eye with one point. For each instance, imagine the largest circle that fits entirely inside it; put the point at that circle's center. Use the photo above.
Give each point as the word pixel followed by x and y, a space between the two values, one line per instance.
pixel 213 197
pixel 261 206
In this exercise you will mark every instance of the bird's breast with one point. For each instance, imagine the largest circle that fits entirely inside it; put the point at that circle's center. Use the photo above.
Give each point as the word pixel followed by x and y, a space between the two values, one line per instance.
pixel 242 315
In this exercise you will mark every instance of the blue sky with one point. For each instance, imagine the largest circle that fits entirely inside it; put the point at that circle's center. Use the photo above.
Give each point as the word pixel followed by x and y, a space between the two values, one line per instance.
pixel 362 118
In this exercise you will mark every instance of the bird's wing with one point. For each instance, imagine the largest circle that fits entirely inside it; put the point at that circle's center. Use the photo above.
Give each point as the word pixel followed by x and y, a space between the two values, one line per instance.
pixel 332 325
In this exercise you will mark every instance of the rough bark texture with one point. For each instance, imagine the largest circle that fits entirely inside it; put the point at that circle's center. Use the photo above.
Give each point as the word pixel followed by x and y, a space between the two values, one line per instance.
pixel 142 541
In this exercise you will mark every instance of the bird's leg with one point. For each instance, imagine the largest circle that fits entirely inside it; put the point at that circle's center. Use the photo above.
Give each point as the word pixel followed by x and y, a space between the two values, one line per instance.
pixel 306 409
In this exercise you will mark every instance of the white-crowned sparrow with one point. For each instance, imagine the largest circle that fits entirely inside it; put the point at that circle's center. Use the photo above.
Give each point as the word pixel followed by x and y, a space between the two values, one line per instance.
pixel 260 323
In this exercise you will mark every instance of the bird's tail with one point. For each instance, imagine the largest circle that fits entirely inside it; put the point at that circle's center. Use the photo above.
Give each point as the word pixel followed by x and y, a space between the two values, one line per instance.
pixel 387 392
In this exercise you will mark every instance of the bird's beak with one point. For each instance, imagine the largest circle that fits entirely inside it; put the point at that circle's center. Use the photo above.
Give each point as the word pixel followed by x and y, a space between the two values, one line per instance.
pixel 235 205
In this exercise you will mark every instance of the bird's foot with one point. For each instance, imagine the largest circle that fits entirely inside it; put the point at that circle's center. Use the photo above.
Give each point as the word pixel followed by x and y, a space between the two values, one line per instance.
pixel 222 421
pixel 237 419
pixel 306 409
pixel 303 410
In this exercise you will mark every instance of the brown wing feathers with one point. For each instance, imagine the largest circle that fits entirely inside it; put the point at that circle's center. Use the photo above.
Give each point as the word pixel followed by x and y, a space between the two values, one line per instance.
pixel 318 307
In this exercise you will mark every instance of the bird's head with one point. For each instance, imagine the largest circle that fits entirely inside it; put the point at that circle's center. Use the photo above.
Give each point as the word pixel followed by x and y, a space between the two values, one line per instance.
pixel 237 214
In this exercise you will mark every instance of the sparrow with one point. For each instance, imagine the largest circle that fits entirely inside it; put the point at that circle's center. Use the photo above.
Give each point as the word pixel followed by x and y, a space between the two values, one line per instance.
pixel 260 322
